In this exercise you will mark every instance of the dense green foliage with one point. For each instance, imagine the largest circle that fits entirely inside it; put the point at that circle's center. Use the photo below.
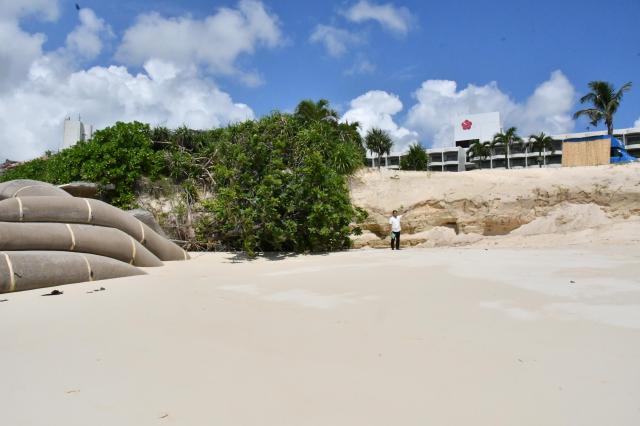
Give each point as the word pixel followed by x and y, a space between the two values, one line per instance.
pixel 605 101
pixel 379 142
pixel 274 184
pixel 117 156
pixel 280 185
pixel 416 158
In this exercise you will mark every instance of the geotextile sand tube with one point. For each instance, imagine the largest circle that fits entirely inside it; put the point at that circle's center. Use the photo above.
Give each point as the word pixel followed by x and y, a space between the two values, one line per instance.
pixel 30 188
pixel 28 270
pixel 92 239
pixel 88 211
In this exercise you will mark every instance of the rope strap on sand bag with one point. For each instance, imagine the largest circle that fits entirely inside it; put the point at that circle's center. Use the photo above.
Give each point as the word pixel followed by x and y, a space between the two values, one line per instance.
pixel 24 187
pixel 12 279
pixel 90 214
pixel 73 238
pixel 88 268
pixel 133 250
pixel 20 210
pixel 141 230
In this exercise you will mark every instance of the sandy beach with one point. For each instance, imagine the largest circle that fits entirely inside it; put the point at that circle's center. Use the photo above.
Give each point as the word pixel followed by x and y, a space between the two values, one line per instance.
pixel 447 336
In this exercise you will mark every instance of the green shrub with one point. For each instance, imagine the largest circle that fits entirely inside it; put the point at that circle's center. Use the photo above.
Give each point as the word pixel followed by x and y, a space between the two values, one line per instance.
pixel 280 185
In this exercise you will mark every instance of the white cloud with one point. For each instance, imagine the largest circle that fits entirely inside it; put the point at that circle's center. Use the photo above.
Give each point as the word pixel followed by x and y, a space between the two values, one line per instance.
pixel 335 40
pixel 376 108
pixel 18 49
pixel 53 87
pixel 362 66
pixel 215 41
pixel 395 19
pixel 548 108
pixel 86 38
pixel 637 123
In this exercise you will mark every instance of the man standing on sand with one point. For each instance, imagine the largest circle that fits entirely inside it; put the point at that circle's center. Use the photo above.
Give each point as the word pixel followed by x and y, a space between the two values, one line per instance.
pixel 394 221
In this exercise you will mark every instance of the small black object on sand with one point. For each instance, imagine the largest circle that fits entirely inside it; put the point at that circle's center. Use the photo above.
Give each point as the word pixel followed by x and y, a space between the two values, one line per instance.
pixel 54 293
pixel 4 300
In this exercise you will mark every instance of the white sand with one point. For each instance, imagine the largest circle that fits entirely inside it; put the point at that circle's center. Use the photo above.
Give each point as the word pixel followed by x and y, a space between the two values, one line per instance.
pixel 370 337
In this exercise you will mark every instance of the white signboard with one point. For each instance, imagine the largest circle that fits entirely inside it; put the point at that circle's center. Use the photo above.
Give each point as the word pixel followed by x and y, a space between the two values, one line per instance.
pixel 476 126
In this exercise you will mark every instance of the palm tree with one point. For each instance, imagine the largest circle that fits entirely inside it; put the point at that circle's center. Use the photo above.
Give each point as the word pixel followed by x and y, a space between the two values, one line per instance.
pixel 308 110
pixel 379 142
pixel 507 139
pixel 605 100
pixel 416 158
pixel 479 150
pixel 492 147
pixel 540 143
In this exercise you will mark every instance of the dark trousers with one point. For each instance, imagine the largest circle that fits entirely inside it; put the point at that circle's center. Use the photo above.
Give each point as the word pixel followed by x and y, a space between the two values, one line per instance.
pixel 395 240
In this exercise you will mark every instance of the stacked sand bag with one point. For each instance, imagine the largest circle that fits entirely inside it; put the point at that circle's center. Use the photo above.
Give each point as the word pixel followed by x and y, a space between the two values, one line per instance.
pixel 48 238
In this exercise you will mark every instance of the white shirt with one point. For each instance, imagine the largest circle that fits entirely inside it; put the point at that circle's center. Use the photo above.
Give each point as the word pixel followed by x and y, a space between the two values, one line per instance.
pixel 395 223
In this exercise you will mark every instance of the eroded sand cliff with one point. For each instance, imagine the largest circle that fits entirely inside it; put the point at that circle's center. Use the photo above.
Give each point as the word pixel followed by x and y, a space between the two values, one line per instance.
pixel 570 205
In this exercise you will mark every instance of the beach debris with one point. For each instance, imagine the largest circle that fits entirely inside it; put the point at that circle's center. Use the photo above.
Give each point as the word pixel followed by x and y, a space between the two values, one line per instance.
pixel 73 391
pixel 164 416
pixel 4 300
pixel 572 282
pixel 54 293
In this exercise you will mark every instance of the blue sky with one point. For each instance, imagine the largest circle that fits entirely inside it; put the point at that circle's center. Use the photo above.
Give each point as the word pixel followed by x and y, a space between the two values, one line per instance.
pixel 405 66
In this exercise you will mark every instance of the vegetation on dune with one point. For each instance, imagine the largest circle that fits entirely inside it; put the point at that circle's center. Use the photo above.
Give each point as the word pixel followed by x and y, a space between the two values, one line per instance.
pixel 274 184
pixel 416 158
pixel 605 100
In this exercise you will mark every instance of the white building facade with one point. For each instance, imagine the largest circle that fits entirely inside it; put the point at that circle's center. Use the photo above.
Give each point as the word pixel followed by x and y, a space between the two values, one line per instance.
pixel 482 127
pixel 75 131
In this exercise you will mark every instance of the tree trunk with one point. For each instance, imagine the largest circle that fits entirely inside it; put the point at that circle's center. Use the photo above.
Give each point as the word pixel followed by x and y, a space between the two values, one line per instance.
pixel 506 156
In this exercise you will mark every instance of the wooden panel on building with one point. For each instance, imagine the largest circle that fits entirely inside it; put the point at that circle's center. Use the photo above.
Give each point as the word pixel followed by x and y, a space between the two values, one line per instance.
pixel 587 153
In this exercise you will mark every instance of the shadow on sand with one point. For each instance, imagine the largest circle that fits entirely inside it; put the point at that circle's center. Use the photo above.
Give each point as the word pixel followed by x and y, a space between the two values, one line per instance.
pixel 241 257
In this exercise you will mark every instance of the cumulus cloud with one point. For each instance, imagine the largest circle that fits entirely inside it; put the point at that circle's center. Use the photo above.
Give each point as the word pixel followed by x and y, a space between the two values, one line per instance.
pixel 637 123
pixel 86 38
pixel 53 86
pixel 547 109
pixel 395 19
pixel 376 108
pixel 335 40
pixel 215 41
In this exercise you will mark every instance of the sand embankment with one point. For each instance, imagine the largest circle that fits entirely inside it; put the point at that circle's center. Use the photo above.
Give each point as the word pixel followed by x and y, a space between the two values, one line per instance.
pixel 492 207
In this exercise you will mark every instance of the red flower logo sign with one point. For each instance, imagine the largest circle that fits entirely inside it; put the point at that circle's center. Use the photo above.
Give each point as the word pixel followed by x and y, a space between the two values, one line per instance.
pixel 466 125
